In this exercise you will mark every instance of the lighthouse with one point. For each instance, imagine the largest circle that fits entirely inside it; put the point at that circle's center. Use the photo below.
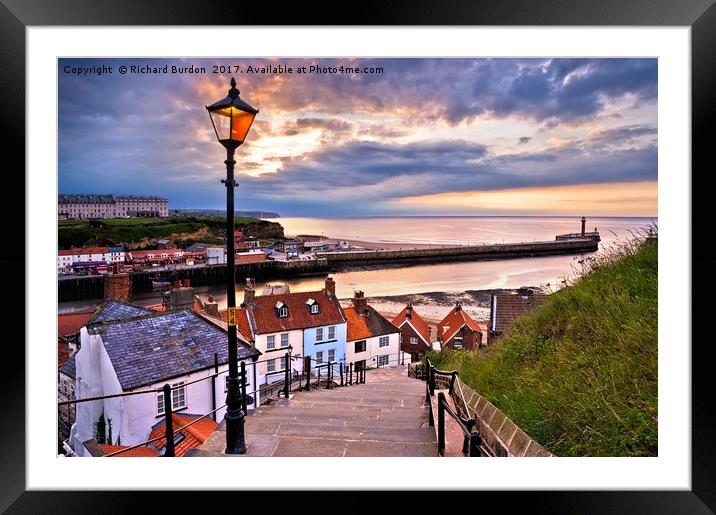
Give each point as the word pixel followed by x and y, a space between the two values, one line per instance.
pixel 584 221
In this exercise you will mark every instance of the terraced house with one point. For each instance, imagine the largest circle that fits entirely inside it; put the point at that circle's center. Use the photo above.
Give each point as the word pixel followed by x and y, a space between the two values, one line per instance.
pixel 303 323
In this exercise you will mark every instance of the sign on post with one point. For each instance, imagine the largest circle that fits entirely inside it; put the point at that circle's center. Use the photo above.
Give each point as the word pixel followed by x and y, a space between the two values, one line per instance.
pixel 231 316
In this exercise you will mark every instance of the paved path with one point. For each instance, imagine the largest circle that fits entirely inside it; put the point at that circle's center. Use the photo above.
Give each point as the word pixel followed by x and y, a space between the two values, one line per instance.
pixel 385 416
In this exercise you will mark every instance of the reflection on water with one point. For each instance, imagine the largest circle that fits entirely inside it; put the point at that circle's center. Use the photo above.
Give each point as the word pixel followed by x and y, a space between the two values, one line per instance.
pixel 460 276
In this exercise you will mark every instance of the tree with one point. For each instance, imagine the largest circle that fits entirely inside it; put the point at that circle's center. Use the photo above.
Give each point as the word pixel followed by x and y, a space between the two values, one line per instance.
pixel 109 435
pixel 119 439
pixel 101 429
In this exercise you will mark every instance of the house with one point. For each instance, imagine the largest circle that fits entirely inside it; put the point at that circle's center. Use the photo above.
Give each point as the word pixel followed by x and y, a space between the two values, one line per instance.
pixel 284 246
pixel 165 244
pixel 459 331
pixel 414 333
pixel 292 253
pixel 252 256
pixel 156 256
pixel 316 245
pixel 141 353
pixel 216 255
pixel 302 323
pixel 371 339
pixel 506 307
pixel 251 241
pixel 66 259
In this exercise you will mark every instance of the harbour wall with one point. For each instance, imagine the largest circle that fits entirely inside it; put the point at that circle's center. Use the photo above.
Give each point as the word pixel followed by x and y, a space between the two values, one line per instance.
pixel 464 253
pixel 92 286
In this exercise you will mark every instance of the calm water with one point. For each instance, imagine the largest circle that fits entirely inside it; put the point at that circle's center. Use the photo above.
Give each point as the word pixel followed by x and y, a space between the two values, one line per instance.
pixel 459 276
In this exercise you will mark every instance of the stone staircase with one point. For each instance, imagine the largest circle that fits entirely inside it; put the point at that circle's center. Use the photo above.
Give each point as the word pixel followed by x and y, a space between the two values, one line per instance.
pixel 384 417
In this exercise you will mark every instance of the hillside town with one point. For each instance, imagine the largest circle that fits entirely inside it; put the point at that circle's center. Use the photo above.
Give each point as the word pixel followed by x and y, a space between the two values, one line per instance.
pixel 123 349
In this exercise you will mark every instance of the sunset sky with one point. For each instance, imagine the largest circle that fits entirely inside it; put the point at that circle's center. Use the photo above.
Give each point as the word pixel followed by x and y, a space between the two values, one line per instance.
pixel 425 137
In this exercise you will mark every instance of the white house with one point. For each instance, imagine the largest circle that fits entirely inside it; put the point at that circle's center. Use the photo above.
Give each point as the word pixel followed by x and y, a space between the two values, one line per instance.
pixel 215 255
pixel 372 340
pixel 142 352
pixel 306 323
pixel 66 258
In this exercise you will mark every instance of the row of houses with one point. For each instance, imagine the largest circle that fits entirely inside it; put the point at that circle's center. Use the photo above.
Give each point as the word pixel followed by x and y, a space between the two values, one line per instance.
pixel 127 349
pixel 104 257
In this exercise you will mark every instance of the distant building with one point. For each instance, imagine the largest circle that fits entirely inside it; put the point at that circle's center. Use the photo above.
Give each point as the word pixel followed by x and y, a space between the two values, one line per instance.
pixel 285 246
pixel 66 259
pixel 316 246
pixel 459 331
pixel 371 340
pixel 505 308
pixel 414 333
pixel 73 207
pixel 156 256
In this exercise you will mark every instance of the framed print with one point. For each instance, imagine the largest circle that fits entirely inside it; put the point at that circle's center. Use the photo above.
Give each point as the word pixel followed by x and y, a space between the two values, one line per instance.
pixel 359 250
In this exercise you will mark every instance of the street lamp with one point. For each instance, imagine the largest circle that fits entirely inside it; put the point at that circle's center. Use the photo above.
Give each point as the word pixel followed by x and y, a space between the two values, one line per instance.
pixel 232 119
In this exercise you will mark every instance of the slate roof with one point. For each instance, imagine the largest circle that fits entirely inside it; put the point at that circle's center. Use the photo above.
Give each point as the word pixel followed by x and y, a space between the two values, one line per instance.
pixel 367 325
pixel 152 348
pixel 69 367
pixel 453 322
pixel 117 310
pixel 420 325
pixel 265 319
pixel 506 307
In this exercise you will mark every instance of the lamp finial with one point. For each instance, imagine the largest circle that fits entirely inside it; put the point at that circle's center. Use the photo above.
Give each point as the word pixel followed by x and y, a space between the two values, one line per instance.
pixel 233 92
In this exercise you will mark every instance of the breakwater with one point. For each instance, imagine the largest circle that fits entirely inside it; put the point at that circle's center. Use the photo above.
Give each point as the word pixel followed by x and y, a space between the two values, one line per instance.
pixel 92 286
pixel 462 253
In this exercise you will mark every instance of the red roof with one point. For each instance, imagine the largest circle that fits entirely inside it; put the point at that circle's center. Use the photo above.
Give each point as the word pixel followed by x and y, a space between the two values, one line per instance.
pixel 194 435
pixel 265 314
pixel 63 353
pixel 136 452
pixel 253 257
pixel 366 326
pixel 84 250
pixel 142 253
pixel 415 320
pixel 242 323
pixel 453 322
pixel 70 323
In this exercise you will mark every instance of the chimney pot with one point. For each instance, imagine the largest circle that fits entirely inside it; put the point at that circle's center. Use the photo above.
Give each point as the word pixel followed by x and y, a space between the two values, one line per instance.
pixel 331 286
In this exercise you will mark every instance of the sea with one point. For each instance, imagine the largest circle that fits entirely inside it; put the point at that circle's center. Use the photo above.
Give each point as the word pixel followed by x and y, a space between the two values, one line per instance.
pixel 549 271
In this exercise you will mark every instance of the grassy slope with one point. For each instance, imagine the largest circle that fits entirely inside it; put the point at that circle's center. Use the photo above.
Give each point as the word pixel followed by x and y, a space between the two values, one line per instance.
pixel 117 231
pixel 580 373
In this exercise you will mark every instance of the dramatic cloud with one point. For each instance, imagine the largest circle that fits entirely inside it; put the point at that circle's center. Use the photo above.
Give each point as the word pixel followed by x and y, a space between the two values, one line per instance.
pixel 358 143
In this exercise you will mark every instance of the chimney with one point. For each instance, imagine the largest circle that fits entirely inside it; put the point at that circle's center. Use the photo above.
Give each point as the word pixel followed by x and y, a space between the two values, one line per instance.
pixel 409 312
pixel 186 283
pixel 458 306
pixel 181 297
pixel 249 293
pixel 360 303
pixel 117 286
pixel 212 307
pixel 331 286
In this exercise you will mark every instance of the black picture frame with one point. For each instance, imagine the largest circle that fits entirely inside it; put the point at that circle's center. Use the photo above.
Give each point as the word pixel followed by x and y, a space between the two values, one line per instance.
pixel 700 15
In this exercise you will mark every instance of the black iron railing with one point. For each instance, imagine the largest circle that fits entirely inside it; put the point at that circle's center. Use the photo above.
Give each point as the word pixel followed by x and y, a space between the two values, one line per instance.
pixel 472 441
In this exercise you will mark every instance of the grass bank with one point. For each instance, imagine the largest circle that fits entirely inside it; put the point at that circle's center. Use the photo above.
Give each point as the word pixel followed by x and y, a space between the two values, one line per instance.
pixel 580 373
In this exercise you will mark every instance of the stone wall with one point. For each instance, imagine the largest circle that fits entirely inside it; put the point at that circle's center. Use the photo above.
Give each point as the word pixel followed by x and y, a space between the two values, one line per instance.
pixel 492 251
pixel 499 433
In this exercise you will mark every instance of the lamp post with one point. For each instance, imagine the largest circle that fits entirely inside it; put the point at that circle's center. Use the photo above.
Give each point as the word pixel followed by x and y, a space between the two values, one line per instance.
pixel 232 119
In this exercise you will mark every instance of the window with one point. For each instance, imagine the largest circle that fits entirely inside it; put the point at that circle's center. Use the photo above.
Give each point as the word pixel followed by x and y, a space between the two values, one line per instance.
pixel 457 343
pixel 283 312
pixel 383 360
pixel 383 342
pixel 314 308
pixel 271 365
pixel 319 358
pixel 331 354
pixel 332 332
pixel 360 346
pixel 284 340
pixel 178 398
pixel 271 341
pixel 319 334
pixel 413 340
pixel 226 381
pixel 284 363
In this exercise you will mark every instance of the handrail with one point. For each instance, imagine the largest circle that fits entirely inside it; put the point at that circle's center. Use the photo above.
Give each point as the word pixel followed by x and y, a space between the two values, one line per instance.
pixel 471 437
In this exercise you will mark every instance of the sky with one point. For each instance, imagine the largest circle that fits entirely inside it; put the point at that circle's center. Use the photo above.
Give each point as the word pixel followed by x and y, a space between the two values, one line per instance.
pixel 414 137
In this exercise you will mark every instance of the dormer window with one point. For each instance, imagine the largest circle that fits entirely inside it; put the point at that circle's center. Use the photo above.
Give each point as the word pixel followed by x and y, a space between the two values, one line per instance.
pixel 281 309
pixel 312 306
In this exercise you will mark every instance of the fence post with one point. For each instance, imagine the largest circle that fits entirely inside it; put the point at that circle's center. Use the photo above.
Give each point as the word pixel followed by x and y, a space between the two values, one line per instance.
pixel 431 375
pixel 475 439
pixel 362 372
pixel 243 387
pixel 287 377
pixel 351 381
pixel 169 429
pixel 441 424
pixel 307 369
pixel 318 383
pixel 452 383
pixel 340 370
pixel 213 385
